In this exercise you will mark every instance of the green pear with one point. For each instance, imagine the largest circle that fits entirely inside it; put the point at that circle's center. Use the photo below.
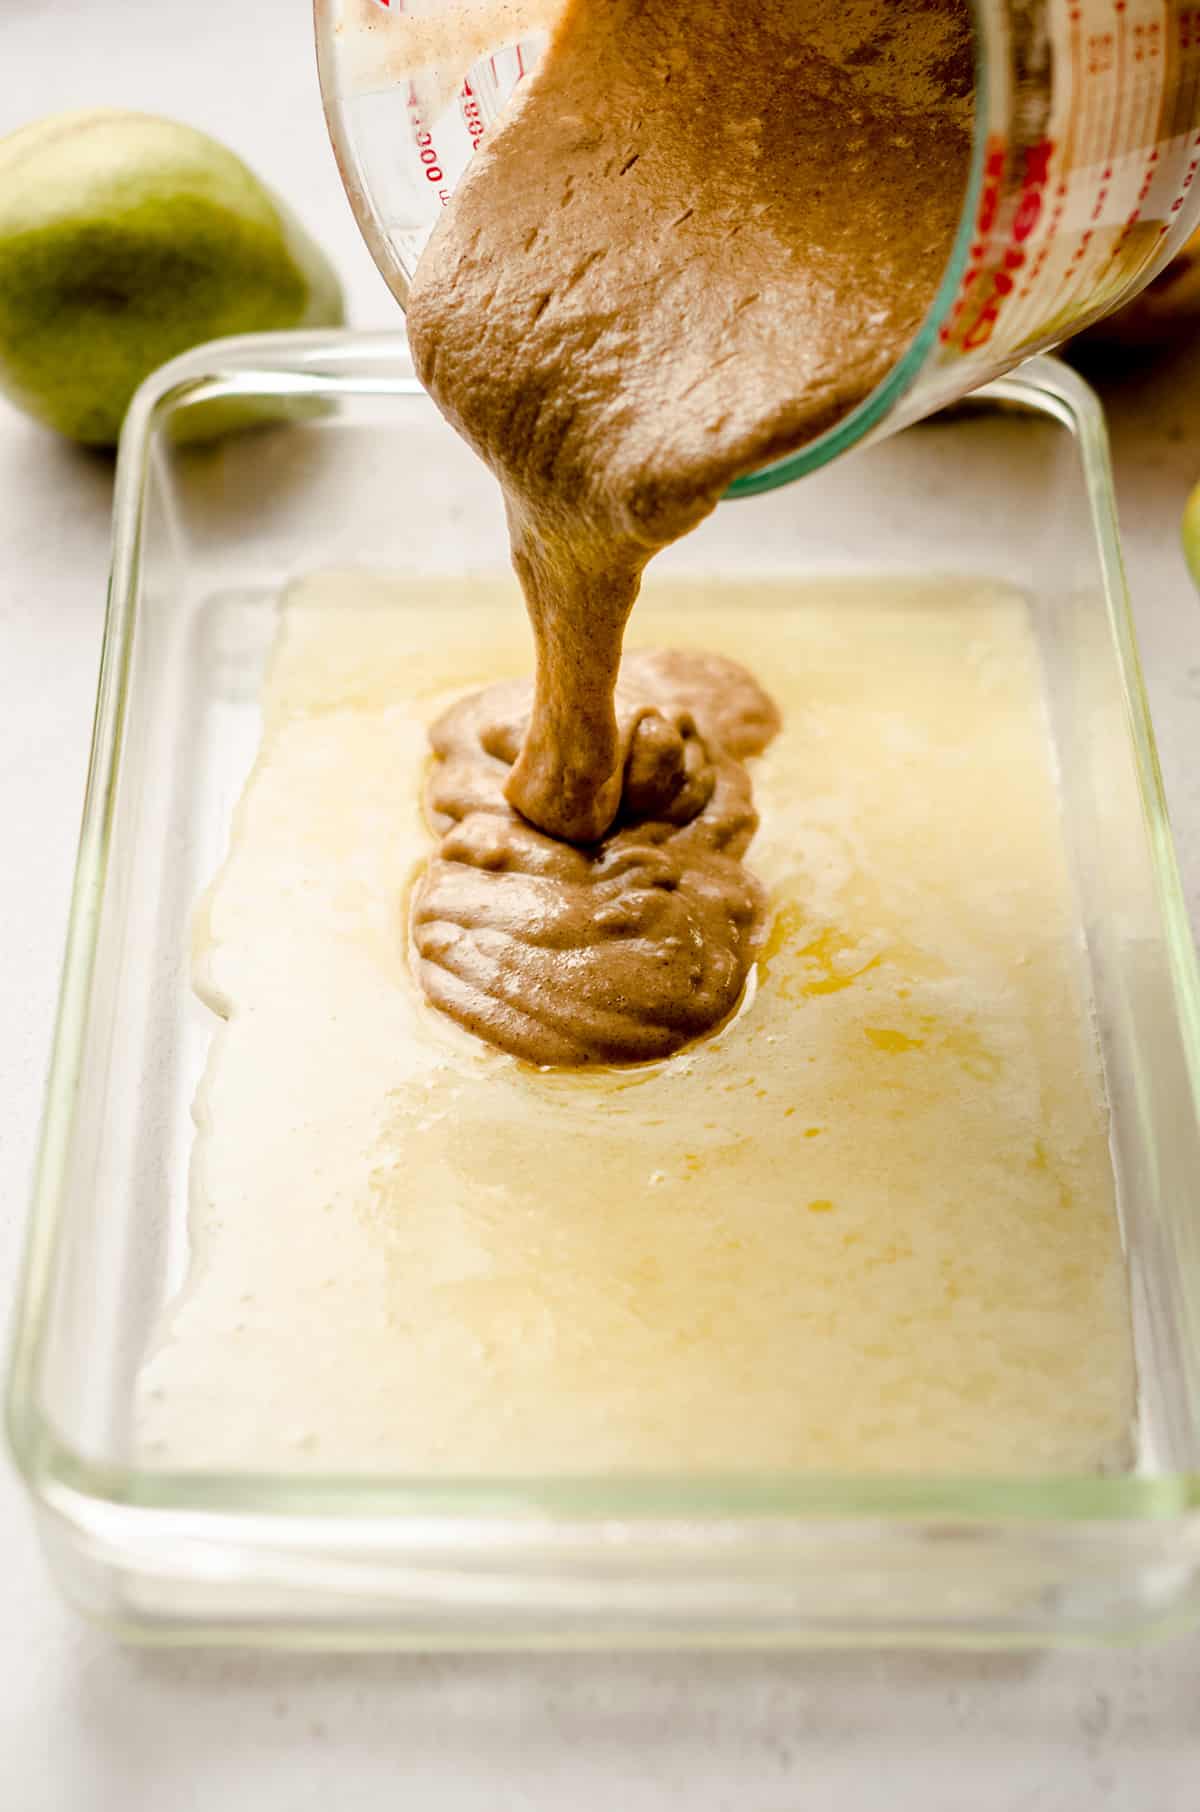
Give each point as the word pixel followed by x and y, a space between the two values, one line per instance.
pixel 125 239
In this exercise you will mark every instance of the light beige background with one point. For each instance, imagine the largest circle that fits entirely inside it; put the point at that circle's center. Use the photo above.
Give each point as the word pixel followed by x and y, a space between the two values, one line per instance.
pixel 85 1727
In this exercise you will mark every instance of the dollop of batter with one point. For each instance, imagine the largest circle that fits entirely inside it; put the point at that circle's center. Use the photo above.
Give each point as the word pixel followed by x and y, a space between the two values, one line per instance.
pixel 625 949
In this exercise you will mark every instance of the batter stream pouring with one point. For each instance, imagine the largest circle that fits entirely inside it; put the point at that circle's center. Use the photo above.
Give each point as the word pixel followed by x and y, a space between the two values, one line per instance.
pixel 700 238
pixel 631 300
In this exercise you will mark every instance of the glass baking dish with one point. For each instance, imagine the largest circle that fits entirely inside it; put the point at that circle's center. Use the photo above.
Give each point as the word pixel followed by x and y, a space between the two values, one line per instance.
pixel 357 469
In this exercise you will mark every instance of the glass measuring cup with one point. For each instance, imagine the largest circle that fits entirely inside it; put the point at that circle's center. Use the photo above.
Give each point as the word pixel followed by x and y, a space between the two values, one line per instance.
pixel 1082 183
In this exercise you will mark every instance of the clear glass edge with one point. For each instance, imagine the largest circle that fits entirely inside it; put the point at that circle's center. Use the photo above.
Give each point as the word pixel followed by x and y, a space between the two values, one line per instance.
pixel 903 375
pixel 334 364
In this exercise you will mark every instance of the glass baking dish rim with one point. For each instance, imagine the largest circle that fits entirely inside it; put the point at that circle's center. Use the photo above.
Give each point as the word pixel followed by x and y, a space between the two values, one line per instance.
pixel 331 365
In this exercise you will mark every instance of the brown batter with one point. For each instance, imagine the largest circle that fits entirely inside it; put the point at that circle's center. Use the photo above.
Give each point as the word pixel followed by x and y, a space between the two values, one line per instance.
pixel 703 234
pixel 624 950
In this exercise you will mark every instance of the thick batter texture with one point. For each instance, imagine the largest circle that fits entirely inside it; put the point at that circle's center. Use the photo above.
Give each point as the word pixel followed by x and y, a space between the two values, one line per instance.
pixel 702 234
pixel 625 949
pixel 867 1225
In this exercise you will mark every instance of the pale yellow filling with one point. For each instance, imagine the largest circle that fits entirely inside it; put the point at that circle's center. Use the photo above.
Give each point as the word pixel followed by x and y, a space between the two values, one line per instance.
pixel 869 1226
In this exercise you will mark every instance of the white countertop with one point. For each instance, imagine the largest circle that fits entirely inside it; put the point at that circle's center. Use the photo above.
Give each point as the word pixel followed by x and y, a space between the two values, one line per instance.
pixel 88 1727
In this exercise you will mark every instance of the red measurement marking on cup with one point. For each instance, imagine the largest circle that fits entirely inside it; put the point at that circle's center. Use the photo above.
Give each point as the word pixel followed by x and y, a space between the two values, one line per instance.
pixel 472 114
pixel 427 151
pixel 1101 53
pixel 1189 177
pixel 992 273
pixel 989 204
pixel 1135 212
pixel 1148 52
